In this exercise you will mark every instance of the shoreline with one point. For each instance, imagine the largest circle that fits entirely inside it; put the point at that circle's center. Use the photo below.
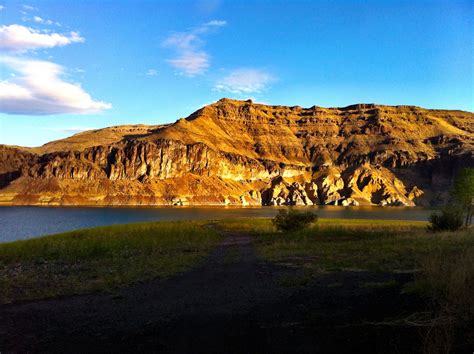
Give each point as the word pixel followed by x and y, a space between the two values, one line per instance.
pixel 24 222
pixel 219 206
pixel 324 220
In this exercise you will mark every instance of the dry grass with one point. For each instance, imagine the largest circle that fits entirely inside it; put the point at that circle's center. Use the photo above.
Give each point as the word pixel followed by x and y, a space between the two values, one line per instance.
pixel 447 281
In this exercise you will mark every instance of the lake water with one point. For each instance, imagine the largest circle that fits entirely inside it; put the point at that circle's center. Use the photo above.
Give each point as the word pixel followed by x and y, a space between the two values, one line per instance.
pixel 18 223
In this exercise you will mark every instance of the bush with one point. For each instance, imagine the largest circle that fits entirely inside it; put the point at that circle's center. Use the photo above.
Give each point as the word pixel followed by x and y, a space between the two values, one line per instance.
pixel 450 219
pixel 292 220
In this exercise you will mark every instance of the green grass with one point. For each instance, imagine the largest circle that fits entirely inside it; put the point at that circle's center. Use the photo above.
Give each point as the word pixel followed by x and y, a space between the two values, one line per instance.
pixel 107 258
pixel 346 244
pixel 264 225
pixel 100 259
pixel 248 225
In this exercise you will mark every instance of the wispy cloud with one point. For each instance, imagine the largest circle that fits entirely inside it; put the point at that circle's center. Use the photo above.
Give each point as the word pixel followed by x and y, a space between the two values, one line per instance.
pixel 1 7
pixel 18 38
pixel 151 72
pixel 191 59
pixel 216 23
pixel 39 90
pixel 244 81
pixel 29 8
pixel 38 19
pixel 191 63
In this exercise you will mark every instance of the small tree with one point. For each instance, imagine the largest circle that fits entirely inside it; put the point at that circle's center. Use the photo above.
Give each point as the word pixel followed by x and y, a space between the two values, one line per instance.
pixel 450 219
pixel 292 220
pixel 463 192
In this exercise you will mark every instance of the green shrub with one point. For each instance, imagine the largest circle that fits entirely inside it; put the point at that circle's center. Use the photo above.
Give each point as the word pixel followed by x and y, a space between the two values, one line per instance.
pixel 292 220
pixel 450 219
pixel 463 192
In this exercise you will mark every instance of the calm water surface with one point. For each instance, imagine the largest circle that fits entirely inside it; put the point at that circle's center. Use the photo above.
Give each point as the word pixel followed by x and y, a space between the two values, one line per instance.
pixel 18 223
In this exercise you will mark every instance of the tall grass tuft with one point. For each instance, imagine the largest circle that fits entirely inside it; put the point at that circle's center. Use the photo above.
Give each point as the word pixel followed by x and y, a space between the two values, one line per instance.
pixel 447 280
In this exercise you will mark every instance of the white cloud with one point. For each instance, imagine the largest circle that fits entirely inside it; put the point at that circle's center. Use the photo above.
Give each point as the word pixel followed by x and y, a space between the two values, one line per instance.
pixel 216 23
pixel 38 90
pixel 191 63
pixel 244 81
pixel 17 38
pixel 38 19
pixel 151 72
pixel 29 8
pixel 1 7
pixel 191 59
pixel 182 41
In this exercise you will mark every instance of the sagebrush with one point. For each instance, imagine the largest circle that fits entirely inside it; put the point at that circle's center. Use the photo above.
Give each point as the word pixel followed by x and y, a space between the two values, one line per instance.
pixel 292 220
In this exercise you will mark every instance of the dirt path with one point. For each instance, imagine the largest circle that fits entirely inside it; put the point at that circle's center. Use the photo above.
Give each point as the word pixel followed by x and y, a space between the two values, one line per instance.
pixel 233 303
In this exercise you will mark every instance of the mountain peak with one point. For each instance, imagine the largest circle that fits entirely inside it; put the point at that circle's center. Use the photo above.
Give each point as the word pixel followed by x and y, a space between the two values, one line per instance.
pixel 232 100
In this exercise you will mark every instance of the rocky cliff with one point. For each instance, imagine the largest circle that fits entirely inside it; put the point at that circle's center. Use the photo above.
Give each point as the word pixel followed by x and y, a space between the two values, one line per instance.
pixel 242 153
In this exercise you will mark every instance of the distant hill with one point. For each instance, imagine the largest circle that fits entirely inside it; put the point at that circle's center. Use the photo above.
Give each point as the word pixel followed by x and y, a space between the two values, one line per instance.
pixel 241 153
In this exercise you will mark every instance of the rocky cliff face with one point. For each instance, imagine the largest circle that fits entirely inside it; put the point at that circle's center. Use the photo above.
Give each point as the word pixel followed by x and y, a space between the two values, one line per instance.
pixel 241 153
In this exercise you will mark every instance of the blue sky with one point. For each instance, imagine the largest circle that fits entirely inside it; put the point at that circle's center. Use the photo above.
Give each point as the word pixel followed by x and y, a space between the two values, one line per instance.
pixel 66 66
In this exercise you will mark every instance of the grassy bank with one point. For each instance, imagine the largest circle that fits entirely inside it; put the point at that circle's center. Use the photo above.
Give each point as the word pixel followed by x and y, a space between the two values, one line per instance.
pixel 105 258
pixel 345 244
pixel 100 259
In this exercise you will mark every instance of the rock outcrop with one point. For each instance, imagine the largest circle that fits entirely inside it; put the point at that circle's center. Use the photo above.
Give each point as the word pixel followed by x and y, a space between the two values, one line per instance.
pixel 241 153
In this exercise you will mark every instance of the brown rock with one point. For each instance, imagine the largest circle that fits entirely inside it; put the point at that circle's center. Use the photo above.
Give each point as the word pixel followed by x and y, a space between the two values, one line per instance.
pixel 242 153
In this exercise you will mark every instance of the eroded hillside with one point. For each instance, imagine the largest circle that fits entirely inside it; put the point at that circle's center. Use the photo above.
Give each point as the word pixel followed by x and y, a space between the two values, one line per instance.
pixel 239 152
